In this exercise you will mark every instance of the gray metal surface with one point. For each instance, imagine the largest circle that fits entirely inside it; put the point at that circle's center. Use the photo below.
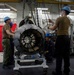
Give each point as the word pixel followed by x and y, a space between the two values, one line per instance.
pixel 21 29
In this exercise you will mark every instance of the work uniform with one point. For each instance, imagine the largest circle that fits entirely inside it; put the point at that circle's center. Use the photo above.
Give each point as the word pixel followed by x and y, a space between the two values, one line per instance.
pixel 49 46
pixel 7 48
pixel 62 45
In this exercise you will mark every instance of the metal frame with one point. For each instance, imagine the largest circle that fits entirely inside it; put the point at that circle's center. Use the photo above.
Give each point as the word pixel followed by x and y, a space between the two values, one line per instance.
pixel 17 66
pixel 22 59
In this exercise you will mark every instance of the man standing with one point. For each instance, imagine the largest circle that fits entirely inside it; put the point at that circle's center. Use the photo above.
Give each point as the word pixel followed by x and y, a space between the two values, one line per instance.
pixel 7 44
pixel 62 45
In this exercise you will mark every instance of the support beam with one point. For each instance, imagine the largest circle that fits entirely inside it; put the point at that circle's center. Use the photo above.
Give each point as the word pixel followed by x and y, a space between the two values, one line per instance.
pixel 14 1
pixel 11 7
pixel 54 2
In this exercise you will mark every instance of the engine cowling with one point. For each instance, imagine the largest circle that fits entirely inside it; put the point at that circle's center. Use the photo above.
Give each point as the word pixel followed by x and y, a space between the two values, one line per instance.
pixel 29 39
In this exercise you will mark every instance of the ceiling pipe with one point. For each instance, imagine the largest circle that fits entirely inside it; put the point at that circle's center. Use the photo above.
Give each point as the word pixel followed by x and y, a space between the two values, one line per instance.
pixel 54 2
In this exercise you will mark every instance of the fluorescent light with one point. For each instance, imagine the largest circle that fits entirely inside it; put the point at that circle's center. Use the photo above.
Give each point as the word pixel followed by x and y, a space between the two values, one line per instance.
pixel 1 9
pixel 42 8
pixel 4 9
pixel 72 10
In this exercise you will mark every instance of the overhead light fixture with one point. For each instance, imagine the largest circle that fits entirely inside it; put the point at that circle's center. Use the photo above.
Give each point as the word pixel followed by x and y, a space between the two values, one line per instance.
pixel 4 9
pixel 7 9
pixel 72 11
pixel 42 8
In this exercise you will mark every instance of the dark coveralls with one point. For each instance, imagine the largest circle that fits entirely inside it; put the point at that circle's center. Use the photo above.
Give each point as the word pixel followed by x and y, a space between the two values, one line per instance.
pixel 62 46
pixel 49 46
pixel 7 47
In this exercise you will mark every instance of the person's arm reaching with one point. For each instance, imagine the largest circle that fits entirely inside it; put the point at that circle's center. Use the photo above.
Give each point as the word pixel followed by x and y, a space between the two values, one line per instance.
pixel 51 21
pixel 54 26
pixel 9 33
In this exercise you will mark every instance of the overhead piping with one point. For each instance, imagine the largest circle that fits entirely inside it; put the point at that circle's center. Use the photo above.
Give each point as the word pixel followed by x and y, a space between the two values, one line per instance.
pixel 54 2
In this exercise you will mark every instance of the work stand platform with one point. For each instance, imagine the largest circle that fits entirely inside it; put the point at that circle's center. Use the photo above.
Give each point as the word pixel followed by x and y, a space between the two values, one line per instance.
pixel 25 62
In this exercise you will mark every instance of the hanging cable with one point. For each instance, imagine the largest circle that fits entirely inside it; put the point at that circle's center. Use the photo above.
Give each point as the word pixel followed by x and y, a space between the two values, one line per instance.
pixel 47 17
pixel 29 2
pixel 37 16
pixel 45 13
pixel 23 9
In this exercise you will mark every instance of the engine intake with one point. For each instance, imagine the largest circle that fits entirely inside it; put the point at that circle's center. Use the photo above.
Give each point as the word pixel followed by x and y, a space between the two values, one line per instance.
pixel 29 39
